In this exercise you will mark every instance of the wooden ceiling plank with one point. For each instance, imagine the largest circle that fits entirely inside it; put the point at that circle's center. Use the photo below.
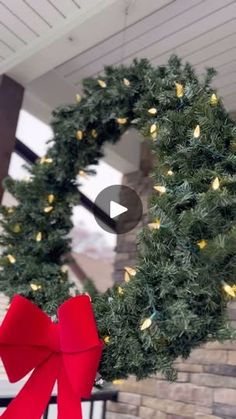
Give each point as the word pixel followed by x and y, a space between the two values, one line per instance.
pixel 80 61
pixel 224 91
pixel 225 80
pixel 5 50
pixel 196 33
pixel 45 9
pixel 183 49
pixel 216 60
pixel 230 101
pixel 213 49
pixel 227 67
pixel 230 95
pixel 230 105
pixel 67 7
pixel 182 26
pixel 31 19
pixel 74 35
pixel 116 40
pixel 133 35
pixel 9 16
pixel 10 38
pixel 85 3
pixel 193 22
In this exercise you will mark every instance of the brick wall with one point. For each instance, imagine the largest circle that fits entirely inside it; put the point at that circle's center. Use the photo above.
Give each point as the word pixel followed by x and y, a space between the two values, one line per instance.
pixel 206 386
pixel 126 248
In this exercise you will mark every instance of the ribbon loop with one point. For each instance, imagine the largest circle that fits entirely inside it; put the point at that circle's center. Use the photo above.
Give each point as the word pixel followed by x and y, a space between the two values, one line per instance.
pixel 68 352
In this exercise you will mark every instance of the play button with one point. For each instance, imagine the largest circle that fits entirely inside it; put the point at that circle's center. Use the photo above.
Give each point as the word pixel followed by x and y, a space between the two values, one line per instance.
pixel 118 209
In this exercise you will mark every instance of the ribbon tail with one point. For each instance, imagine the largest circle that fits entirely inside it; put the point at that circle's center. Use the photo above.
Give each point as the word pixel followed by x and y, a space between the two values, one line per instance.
pixel 69 406
pixel 33 398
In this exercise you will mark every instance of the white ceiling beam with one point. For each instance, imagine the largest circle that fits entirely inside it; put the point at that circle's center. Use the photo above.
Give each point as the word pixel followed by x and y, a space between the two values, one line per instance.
pixel 88 27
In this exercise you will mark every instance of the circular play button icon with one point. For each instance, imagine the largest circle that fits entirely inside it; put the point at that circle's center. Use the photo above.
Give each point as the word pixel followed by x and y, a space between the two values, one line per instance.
pixel 118 209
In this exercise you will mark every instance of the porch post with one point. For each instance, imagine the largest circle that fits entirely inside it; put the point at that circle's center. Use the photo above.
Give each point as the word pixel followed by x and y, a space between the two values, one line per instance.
pixel 11 96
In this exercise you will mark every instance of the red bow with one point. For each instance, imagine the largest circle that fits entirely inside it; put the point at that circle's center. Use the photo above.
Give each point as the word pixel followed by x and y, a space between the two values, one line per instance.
pixel 68 352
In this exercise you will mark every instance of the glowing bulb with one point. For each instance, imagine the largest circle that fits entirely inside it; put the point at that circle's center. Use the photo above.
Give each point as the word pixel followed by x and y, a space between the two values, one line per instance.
pixel 215 184
pixel 126 82
pixel 155 225
pixel 129 273
pixel 35 287
pixel 152 111
pixel 197 131
pixel 79 135
pixel 202 244
pixel 160 189
pixel 122 121
pixel 102 83
pixel 39 237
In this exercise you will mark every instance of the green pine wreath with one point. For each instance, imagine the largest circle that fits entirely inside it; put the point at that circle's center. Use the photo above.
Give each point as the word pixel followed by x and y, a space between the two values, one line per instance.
pixel 177 298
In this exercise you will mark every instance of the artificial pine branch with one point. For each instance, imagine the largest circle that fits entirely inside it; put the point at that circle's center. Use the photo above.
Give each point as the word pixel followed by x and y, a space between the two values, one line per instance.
pixel 178 297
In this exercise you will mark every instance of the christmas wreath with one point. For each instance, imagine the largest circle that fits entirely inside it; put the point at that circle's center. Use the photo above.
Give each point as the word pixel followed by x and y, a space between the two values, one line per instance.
pixel 176 297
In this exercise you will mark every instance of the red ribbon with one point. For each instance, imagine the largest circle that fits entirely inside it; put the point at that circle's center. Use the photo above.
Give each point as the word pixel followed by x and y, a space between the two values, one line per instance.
pixel 68 352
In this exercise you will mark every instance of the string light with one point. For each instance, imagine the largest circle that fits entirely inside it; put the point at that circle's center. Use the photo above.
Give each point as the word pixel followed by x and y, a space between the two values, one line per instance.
pixel 153 128
pixel 48 209
pixel 94 133
pixel 129 273
pixel 39 237
pixel 152 111
pixel 16 228
pixel 106 339
pixel 126 82
pixel 228 289
pixel 155 225
pixel 160 189
pixel 10 210
pixel 202 244
pixel 64 269
pixel 27 179
pixel 79 135
pixel 45 159
pixel 214 100
pixel 35 287
pixel 146 324
pixel 78 98
pixel 179 90
pixel 11 259
pixel 121 121
pixel 215 184
pixel 82 173
pixel 197 131
pixel 120 290
pixel 170 173
pixel 102 83
pixel 51 198
pixel 117 382
pixel 154 131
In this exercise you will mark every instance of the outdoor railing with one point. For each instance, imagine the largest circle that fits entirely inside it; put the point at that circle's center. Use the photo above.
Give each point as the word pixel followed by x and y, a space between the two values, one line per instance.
pixel 99 396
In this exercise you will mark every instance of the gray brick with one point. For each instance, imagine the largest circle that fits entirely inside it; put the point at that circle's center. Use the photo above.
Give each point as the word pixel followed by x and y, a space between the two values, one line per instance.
pixel 130 398
pixel 228 370
pixel 232 313
pixel 125 408
pixel 212 380
pixel 113 415
pixel 224 410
